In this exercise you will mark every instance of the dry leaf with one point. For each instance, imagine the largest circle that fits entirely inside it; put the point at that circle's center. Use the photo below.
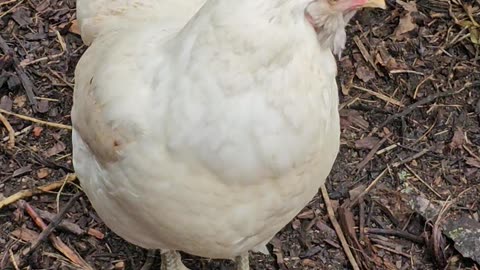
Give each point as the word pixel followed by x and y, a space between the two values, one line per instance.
pixel 473 162
pixel 6 103
pixel 384 58
pixel 55 149
pixel 472 25
pixel 327 233
pixel 355 192
pixel 406 23
pixel 365 74
pixel 350 118
pixel 22 171
pixel 42 106
pixel 25 234
pixel 308 214
pixel 367 143
pixel 74 28
pixel 388 264
pixel 458 139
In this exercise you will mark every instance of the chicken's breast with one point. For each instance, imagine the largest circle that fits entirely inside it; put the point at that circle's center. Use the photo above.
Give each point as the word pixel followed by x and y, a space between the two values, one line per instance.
pixel 195 142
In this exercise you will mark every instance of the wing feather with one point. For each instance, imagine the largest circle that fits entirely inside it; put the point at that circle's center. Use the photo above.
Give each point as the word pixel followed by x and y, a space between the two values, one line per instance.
pixel 97 17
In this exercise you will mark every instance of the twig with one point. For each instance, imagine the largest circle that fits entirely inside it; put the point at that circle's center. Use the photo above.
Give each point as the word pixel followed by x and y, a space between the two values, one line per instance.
pixel 471 152
pixel 409 109
pixel 390 232
pixel 426 133
pixel 64 225
pixel 393 251
pixel 58 195
pixel 414 157
pixel 11 9
pixel 50 57
pixel 437 239
pixel 372 152
pixel 4 258
pixel 95 233
pixel 49 229
pixel 367 190
pixel 361 217
pixel 12 259
pixel 400 71
pixel 18 133
pixel 30 192
pixel 34 120
pixel 380 96
pixel 61 259
pixel 7 2
pixel 45 58
pixel 11 132
pixel 338 229
pixel 424 182
pixel 384 241
pixel 387 212
pixel 420 85
pixel 57 242
pixel 370 213
pixel 386 149
pixel 58 76
pixel 26 82
pixel 366 55
pixel 69 226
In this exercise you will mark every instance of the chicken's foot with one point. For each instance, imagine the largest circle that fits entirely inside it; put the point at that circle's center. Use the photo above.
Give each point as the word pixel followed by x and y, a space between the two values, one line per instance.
pixel 242 262
pixel 171 260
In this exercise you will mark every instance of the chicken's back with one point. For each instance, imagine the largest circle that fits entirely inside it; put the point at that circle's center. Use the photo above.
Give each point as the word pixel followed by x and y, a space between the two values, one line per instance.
pixel 97 17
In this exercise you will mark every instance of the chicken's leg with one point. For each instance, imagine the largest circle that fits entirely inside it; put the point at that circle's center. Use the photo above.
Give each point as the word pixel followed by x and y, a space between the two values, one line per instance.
pixel 242 262
pixel 171 260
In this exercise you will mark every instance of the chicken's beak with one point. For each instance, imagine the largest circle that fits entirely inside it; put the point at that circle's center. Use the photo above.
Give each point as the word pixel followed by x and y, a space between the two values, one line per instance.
pixel 375 4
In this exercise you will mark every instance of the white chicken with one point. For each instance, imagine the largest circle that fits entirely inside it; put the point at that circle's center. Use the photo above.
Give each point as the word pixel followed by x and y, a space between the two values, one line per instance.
pixel 205 126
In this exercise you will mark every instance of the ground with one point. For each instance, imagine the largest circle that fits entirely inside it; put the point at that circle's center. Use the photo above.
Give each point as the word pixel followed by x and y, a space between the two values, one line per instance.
pixel 410 106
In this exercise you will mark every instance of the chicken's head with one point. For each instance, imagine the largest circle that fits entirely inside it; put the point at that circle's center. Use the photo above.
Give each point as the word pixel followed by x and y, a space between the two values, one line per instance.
pixel 330 17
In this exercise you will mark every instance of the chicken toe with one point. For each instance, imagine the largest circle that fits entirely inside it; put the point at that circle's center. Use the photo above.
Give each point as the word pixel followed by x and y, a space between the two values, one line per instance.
pixel 171 260
pixel 242 262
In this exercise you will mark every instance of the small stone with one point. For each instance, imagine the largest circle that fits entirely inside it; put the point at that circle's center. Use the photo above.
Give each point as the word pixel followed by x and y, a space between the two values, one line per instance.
pixel 120 265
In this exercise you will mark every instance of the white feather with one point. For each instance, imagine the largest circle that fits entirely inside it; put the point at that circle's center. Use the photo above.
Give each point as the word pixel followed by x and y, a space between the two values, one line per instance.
pixel 207 137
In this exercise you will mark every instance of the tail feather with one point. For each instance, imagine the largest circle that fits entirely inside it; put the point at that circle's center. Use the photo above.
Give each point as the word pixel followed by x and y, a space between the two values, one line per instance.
pixel 97 17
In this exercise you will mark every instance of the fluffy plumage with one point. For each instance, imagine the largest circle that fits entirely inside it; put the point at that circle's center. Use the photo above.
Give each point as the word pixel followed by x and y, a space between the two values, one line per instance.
pixel 204 127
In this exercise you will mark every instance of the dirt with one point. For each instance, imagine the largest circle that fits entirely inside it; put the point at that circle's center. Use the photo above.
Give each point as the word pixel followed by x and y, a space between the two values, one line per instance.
pixel 410 106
